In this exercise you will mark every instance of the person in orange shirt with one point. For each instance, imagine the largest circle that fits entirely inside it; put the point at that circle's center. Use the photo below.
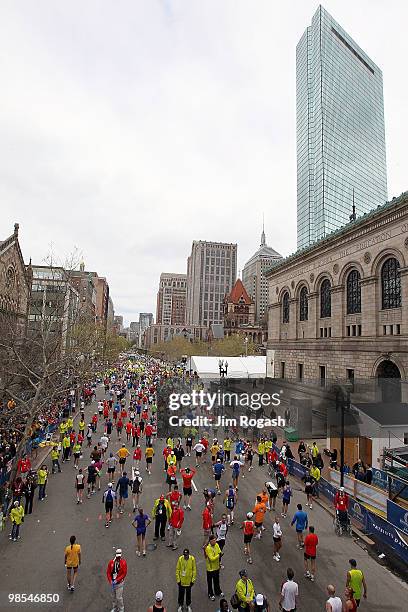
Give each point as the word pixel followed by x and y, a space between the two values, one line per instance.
pixel 128 430
pixel 171 476
pixel 264 497
pixel 259 514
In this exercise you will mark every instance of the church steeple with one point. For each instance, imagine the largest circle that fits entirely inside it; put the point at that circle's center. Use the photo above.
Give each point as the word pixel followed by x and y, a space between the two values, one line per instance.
pixel 263 239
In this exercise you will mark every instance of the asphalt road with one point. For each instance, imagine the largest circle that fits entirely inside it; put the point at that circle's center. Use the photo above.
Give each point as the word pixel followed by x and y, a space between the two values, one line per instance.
pixel 35 564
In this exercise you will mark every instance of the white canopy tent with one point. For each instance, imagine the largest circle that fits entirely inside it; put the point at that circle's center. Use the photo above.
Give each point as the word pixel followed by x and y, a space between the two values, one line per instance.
pixel 253 366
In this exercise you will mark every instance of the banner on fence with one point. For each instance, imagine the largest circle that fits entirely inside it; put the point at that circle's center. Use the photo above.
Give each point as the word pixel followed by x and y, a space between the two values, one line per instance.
pixel 297 469
pixel 327 489
pixel 388 535
pixel 358 512
pixel 397 516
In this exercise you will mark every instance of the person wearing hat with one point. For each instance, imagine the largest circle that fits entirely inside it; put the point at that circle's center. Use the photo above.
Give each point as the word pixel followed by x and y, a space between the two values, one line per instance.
pixel 356 581
pixel 245 592
pixel 341 504
pixel 108 498
pixel 16 517
pixel 158 603
pixel 161 513
pixel 186 574
pixel 137 487
pixel 116 574
pixel 261 604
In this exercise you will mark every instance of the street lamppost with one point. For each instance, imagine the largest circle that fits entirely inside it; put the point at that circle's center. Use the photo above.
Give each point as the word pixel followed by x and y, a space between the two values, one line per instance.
pixel 342 404
pixel 246 346
pixel 223 367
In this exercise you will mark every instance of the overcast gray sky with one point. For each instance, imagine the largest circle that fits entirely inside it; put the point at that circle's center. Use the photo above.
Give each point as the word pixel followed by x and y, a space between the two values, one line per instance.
pixel 130 128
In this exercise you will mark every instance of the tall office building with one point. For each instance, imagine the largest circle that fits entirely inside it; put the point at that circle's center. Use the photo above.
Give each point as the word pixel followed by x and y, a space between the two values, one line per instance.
pixel 254 280
pixel 211 274
pixel 340 130
pixel 145 319
pixel 171 299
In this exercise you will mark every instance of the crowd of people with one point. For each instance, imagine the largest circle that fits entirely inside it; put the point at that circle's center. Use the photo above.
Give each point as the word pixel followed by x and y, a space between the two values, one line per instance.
pixel 127 417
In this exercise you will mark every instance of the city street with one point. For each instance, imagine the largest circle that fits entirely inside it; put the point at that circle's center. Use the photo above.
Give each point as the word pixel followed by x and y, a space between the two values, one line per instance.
pixel 35 564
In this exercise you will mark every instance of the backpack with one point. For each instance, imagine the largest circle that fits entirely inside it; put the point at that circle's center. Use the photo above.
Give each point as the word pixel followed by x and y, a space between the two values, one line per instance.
pixel 136 485
pixel 234 601
pixel 230 502
pixel 109 496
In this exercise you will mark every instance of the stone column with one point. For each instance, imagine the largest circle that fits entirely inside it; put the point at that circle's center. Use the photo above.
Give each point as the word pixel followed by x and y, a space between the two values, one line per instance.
pixel 369 306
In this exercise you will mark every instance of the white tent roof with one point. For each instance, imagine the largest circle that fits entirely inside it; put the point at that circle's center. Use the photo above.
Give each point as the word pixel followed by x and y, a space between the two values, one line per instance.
pixel 253 366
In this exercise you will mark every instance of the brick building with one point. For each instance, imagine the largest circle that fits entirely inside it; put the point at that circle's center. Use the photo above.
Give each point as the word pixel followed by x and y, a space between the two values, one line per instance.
pixel 171 299
pixel 339 308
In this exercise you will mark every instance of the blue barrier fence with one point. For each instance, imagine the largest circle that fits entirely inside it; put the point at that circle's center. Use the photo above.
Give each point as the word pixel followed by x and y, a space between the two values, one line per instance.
pixel 389 532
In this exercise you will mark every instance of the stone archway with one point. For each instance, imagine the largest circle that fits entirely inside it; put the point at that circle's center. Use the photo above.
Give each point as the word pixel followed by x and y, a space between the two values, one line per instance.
pixel 389 380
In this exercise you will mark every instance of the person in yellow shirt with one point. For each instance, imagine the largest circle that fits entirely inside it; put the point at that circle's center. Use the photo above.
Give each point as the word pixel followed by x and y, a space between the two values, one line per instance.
pixel 245 590
pixel 62 429
pixel 227 448
pixel 72 562
pixel 122 454
pixel 70 424
pixel 149 452
pixel 213 556
pixel 170 442
pixel 261 451
pixel 81 426
pixel 171 459
pixel 186 574
pixel 214 450
pixel 16 517
pixel 66 448
pixel 42 477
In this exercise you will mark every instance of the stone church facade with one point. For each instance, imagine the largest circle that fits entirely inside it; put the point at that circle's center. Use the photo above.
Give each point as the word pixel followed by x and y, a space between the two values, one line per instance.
pixel 339 308
pixel 15 286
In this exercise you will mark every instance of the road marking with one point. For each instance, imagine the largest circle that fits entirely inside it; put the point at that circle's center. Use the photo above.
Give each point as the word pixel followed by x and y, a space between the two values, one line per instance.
pixel 194 486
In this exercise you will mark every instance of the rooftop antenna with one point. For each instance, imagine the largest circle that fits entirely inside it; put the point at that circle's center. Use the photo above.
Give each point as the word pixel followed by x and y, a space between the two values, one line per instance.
pixel 353 214
pixel 263 240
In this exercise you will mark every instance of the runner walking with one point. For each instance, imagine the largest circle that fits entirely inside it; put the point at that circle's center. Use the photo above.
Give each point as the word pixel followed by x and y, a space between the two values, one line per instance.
pixel 356 581
pixel 301 522
pixel 277 539
pixel 116 574
pixel 108 498
pixel 80 486
pixel 140 523
pixel 230 501
pixel 186 574
pixel 248 527
pixel 311 542
pixel 137 488
pixel 187 476
pixel 72 560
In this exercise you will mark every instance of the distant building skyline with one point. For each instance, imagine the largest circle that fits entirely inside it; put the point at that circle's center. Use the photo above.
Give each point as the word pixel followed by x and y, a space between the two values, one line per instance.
pixel 340 130
pixel 253 276
pixel 211 274
pixel 171 299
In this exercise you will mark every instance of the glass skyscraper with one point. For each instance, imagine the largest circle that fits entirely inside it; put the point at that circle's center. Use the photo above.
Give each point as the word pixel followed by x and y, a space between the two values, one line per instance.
pixel 340 130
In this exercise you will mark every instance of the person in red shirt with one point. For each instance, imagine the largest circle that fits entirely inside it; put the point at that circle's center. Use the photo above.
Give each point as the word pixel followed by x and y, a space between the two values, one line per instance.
pixel 80 438
pixel 148 432
pixel 137 457
pixel 176 522
pixel 248 527
pixel 145 415
pixel 119 427
pixel 24 465
pixel 311 542
pixel 187 476
pixel 166 453
pixel 174 496
pixel 128 430
pixel 123 414
pixel 272 456
pixel 204 442
pixel 171 476
pixel 341 504
pixel 94 421
pixel 207 525
pixel 135 434
pixel 105 411
pixel 116 573
pixel 72 437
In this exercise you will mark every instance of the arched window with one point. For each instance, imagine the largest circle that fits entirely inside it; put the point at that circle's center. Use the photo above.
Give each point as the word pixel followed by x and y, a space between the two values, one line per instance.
pixel 285 307
pixel 353 292
pixel 325 299
pixel 391 283
pixel 303 305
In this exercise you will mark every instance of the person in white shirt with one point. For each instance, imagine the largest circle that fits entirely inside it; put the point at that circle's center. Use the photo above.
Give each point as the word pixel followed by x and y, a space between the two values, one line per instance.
pixel 277 539
pixel 103 443
pixel 334 603
pixel 199 449
pixel 289 593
